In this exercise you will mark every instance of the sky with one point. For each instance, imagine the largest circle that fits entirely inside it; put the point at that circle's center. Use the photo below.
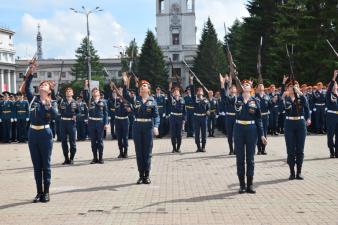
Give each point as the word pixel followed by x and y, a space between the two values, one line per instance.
pixel 120 22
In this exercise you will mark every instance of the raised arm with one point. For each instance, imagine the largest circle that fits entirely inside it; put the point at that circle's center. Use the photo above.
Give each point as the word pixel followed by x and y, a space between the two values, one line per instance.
pixel 285 78
pixel 330 87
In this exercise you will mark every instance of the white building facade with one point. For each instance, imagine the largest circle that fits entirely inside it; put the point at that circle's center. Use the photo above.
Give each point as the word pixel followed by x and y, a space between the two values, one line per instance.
pixel 7 61
pixel 50 69
pixel 176 34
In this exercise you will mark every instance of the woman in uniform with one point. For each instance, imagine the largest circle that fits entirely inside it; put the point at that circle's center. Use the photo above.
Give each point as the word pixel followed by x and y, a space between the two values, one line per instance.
pixel 146 124
pixel 248 128
pixel 40 136
pixel 97 123
pixel 297 118
pixel 176 108
pixel 332 116
pixel 229 105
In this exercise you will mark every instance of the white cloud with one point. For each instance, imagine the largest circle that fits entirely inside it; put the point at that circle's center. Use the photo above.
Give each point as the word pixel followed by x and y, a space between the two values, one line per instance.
pixel 64 31
pixel 220 12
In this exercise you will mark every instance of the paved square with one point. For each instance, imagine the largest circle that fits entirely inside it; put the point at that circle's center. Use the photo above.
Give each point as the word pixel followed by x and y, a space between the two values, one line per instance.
pixel 188 188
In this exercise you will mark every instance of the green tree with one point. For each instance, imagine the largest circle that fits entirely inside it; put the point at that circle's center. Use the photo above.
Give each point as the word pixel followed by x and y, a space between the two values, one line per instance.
pixel 80 70
pixel 210 59
pixel 151 65
pixel 130 55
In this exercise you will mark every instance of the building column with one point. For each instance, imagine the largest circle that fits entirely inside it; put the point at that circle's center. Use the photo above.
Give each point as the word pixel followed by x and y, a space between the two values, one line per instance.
pixel 14 82
pixel 2 81
pixel 9 87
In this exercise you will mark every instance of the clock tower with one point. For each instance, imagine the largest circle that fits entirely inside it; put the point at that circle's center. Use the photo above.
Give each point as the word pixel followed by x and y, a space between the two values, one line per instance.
pixel 176 34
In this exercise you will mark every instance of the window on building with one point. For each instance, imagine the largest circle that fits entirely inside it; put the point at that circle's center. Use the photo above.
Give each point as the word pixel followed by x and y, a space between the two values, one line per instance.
pixel 189 5
pixel 161 6
pixel 21 75
pixel 36 90
pixel 49 74
pixel 176 39
pixel 63 74
pixel 176 57
pixel 35 75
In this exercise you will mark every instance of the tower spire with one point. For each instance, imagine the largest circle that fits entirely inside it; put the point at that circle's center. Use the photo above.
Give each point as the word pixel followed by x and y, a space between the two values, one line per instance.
pixel 39 44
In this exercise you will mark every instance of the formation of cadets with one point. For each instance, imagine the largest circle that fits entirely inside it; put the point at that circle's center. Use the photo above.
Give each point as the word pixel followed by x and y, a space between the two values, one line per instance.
pixel 244 113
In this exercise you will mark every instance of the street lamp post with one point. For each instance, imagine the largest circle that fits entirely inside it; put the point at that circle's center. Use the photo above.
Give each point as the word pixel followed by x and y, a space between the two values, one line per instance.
pixel 85 12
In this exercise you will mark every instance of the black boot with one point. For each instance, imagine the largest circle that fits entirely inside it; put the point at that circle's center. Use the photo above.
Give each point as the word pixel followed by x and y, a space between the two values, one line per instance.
pixel 39 193
pixel 336 154
pixel 101 158
pixel 94 161
pixel 263 150
pixel 179 142
pixel 71 160
pixel 146 179
pixel 292 172
pixel 299 173
pixel 67 161
pixel 173 143
pixel 121 154
pixel 203 147
pixel 45 197
pixel 259 149
pixel 199 148
pixel 140 179
pixel 231 147
pixel 242 188
pixel 250 189
pixel 125 153
pixel 332 155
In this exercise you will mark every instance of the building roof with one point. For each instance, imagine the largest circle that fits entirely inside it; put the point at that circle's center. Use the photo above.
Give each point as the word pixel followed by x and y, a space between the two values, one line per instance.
pixel 6 30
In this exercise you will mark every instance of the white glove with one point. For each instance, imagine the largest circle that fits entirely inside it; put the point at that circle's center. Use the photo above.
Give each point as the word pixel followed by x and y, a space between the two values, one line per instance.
pixel 155 131
pixel 216 116
pixel 15 119
pixel 163 115
pixel 27 119
pixel 86 121
pixel 12 120
pixel 0 120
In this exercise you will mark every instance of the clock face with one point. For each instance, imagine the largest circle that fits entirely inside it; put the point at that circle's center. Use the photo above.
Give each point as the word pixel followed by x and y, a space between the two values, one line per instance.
pixel 175 8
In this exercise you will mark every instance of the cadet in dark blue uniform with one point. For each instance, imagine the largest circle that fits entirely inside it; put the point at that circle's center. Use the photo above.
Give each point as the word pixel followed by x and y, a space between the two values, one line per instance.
pixel 131 115
pixel 1 101
pixel 319 101
pixel 189 105
pixel 7 113
pixel 69 110
pixel 82 119
pixel 40 137
pixel 177 112
pixel 332 116
pixel 146 123
pixel 229 100
pixel 58 119
pixel 213 114
pixel 201 110
pixel 161 106
pixel 265 104
pixel 248 128
pixel 97 123
pixel 14 135
pixel 297 118
pixel 111 113
pixel 123 109
pixel 22 115
pixel 274 112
